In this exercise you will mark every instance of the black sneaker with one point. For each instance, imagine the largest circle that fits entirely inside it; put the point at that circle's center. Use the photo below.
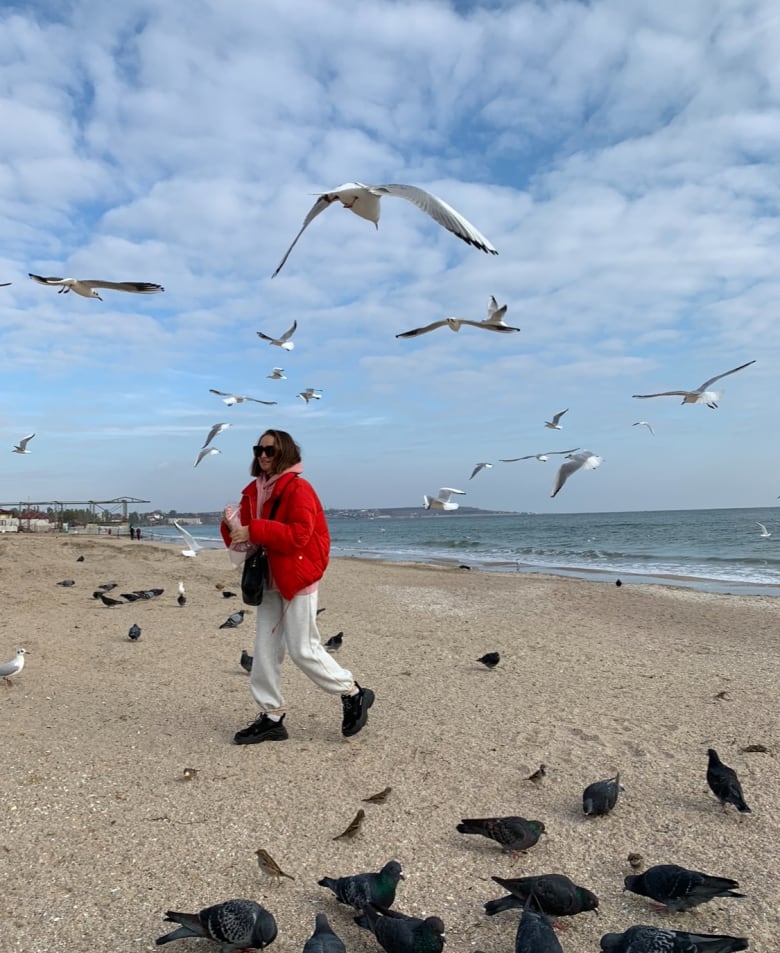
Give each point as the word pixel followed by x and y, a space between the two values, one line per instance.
pixel 261 729
pixel 356 710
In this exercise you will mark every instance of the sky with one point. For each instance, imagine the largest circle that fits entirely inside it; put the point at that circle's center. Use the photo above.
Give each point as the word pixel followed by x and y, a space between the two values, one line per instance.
pixel 620 155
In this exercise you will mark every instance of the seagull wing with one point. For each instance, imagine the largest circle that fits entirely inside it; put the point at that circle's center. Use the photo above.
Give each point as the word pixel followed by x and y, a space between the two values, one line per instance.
pixel 493 306
pixel 763 528
pixel 565 471
pixel 136 287
pixel 515 459
pixel 215 430
pixel 558 416
pixel 220 393
pixel 289 332
pixel 478 467
pixel 423 330
pixel 319 206
pixel 664 393
pixel 550 453
pixel 6 284
pixel 189 540
pixel 46 281
pixel 733 370
pixel 25 440
pixel 446 491
pixel 440 212
pixel 268 403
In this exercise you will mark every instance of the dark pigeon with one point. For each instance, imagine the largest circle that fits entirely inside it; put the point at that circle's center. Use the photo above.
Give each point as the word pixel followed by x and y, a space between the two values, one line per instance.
pixel 226 594
pixel 148 593
pixel 512 833
pixel 724 783
pixel 553 894
pixel 618 583
pixel 246 660
pixel 130 596
pixel 135 633
pixel 323 940
pixel 600 797
pixel 67 583
pixel 233 620
pixel 108 601
pixel 397 933
pixel 358 890
pixel 644 939
pixel 535 933
pixel 678 888
pixel 334 642
pixel 80 559
pixel 235 924
pixel 490 660
pixel 108 586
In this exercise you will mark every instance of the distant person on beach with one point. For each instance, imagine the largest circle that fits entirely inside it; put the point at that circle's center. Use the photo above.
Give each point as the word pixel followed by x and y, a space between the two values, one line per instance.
pixel 138 533
pixel 297 543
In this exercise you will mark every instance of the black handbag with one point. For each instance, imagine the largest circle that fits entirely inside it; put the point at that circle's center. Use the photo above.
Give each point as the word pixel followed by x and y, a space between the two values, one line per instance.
pixel 255 573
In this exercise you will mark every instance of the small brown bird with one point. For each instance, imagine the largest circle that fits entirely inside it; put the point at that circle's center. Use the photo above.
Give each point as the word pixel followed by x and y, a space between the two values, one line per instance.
pixel 189 773
pixel 219 585
pixel 636 860
pixel 268 865
pixel 537 776
pixel 354 826
pixel 378 798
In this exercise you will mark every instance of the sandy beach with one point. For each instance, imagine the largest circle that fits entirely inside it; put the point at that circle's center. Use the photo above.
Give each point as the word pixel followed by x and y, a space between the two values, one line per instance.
pixel 101 834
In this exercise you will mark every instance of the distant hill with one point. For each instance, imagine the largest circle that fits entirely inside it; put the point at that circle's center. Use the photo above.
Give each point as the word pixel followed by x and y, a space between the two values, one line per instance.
pixel 415 512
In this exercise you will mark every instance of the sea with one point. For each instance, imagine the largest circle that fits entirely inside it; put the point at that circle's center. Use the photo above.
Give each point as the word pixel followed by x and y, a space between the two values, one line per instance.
pixel 720 550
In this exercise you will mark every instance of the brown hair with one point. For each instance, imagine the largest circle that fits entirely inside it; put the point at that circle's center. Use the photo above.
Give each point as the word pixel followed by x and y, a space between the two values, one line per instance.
pixel 288 453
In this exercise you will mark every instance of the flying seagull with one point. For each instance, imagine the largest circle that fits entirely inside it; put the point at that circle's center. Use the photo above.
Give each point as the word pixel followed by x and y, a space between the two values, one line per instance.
pixel 21 447
pixel 764 531
pixel 364 201
pixel 85 286
pixel 585 459
pixel 193 546
pixel 206 452
pixel 309 394
pixel 284 341
pixel 701 395
pixel 478 467
pixel 542 457
pixel 493 322
pixel 13 667
pixel 442 500
pixel 277 374
pixel 231 399
pixel 5 284
pixel 215 431
pixel 644 423
pixel 554 423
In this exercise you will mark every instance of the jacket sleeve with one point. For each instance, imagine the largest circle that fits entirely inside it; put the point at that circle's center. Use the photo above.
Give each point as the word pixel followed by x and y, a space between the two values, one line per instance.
pixel 300 514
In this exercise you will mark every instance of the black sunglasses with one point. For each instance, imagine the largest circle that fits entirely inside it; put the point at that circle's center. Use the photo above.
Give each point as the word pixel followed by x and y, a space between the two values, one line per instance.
pixel 268 451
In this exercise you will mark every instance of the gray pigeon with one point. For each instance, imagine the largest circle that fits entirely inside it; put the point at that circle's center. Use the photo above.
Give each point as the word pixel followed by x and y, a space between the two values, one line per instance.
pixel 724 783
pixel 644 939
pixel 226 594
pixel 535 933
pixel 135 633
pixel 246 661
pixel 359 890
pixel 334 642
pixel 233 620
pixel 553 894
pixel 323 940
pixel 678 888
pixel 512 833
pixel 108 601
pixel 235 924
pixel 67 583
pixel 397 933
pixel 601 796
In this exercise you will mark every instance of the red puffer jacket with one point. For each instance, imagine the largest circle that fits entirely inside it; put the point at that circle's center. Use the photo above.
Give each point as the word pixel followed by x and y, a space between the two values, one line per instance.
pixel 296 540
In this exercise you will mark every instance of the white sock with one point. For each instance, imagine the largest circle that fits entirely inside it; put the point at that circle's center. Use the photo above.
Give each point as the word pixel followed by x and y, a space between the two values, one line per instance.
pixel 276 718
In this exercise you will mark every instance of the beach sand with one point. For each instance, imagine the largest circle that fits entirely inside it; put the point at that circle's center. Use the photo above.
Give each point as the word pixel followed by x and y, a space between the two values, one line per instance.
pixel 101 835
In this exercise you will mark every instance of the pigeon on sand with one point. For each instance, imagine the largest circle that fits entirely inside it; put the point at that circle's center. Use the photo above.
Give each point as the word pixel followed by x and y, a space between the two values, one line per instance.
pixel 600 797
pixel 679 888
pixel 397 933
pixel 246 660
pixel 231 399
pixel 535 933
pixel 235 924
pixel 323 940
pixel 701 395
pixel 233 620
pixel 86 286
pixel 493 322
pixel 512 833
pixel 283 341
pixel 21 447
pixel 182 596
pixel 646 939
pixel 584 460
pixel 490 659
pixel 134 633
pixel 364 201
pixel 554 894
pixel 9 669
pixel 334 642
pixel 724 783
pixel 359 890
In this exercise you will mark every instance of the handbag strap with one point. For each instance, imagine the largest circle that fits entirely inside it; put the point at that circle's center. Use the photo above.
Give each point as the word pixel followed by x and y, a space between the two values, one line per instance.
pixel 276 502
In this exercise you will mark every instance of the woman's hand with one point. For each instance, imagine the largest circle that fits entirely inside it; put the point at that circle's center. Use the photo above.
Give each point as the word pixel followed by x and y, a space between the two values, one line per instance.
pixel 239 535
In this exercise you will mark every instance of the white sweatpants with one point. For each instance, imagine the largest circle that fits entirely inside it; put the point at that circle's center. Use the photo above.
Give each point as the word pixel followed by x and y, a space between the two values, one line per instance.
pixel 291 627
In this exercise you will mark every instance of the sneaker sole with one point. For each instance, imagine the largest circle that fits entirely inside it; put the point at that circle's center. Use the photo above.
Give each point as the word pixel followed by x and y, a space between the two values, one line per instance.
pixel 361 723
pixel 257 741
